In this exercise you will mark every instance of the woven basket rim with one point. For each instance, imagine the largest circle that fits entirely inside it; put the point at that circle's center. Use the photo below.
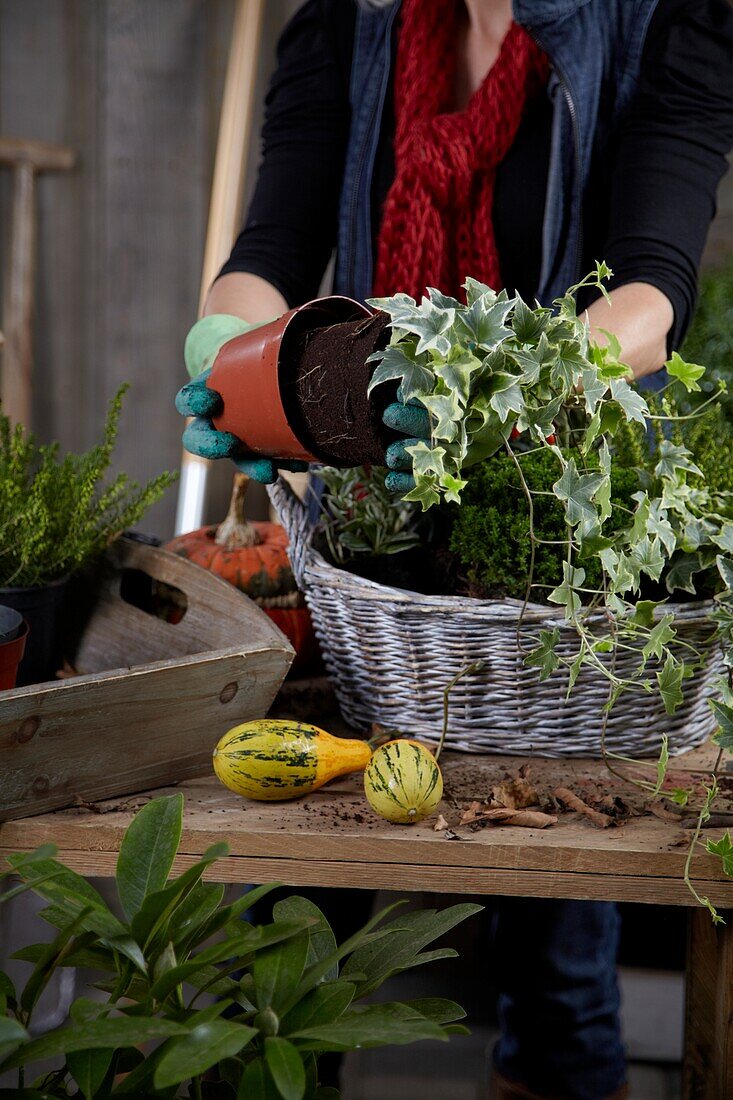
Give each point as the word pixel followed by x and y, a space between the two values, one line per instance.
pixel 506 609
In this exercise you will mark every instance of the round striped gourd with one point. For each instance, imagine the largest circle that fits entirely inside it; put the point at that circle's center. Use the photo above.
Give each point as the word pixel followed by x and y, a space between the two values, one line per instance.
pixel 275 759
pixel 403 782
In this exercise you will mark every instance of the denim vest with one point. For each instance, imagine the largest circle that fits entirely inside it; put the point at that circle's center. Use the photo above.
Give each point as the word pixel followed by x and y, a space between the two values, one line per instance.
pixel 595 49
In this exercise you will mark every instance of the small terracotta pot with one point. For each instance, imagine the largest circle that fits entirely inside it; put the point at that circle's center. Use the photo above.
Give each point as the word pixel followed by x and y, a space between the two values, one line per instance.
pixel 11 654
pixel 249 370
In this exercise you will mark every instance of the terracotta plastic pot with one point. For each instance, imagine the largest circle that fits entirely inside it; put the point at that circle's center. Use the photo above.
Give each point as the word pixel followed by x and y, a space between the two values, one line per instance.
pixel 11 654
pixel 253 373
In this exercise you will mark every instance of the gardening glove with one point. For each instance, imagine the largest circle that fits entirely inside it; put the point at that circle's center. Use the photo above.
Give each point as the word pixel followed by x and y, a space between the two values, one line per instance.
pixel 413 420
pixel 196 400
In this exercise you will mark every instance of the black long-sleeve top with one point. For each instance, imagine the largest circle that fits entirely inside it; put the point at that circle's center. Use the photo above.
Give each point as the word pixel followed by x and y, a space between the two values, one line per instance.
pixel 646 211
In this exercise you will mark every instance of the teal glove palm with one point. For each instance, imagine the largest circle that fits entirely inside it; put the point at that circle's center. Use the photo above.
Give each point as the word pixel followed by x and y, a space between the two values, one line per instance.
pixel 196 400
pixel 414 421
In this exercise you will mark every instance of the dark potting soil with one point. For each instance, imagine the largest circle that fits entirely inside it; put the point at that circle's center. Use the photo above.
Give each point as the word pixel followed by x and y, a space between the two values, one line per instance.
pixel 327 392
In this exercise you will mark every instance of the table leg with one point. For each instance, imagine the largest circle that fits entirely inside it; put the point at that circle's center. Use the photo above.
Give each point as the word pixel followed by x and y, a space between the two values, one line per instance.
pixel 708 1052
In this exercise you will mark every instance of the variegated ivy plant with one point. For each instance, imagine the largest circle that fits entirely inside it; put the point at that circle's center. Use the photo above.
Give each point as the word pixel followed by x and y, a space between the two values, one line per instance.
pixel 496 367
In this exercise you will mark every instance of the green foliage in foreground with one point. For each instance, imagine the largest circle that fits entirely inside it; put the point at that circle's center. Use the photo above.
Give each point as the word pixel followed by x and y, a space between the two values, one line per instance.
pixel 58 513
pixel 284 992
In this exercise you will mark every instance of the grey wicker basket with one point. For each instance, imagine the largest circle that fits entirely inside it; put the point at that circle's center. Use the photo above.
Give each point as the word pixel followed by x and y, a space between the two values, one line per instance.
pixel 389 654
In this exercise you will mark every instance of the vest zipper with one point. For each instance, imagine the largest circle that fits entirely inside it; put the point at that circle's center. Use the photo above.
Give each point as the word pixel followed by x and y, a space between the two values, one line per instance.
pixel 563 82
pixel 365 153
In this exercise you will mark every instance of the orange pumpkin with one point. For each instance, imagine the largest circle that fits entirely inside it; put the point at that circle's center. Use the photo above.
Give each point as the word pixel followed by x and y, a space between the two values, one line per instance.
pixel 253 557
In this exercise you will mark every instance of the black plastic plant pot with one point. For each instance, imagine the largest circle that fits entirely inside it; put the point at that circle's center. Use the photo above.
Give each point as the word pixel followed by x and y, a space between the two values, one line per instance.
pixel 42 610
pixel 297 387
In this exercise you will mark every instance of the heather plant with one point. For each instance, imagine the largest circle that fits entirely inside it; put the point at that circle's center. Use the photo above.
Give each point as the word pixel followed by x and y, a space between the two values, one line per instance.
pixel 56 513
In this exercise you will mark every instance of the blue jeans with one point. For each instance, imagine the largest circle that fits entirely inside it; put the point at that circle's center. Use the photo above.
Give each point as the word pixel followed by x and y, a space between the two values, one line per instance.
pixel 555 964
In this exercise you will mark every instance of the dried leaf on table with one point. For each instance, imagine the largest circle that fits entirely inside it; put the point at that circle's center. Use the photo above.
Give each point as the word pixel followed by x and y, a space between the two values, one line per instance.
pixel 480 814
pixel 515 793
pixel 440 824
pixel 660 810
pixel 578 806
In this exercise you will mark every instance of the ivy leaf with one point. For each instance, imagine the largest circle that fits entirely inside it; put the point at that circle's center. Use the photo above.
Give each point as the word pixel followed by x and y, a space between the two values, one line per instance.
pixel 458 370
pixel 687 373
pixel 644 612
pixel 446 411
pixel 475 289
pixel 483 322
pixel 724 538
pixel 594 389
pixel 647 557
pixel 659 525
pixel 681 571
pixel 426 459
pixel 569 365
pixel 540 419
pixel 565 593
pixel 641 517
pixel 724 849
pixel 425 493
pixel 506 396
pixel 661 635
pixel 577 491
pixel 529 324
pixel 544 656
pixel 531 361
pixel 631 401
pixel 442 301
pixel 724 717
pixel 669 679
pixel 725 568
pixel 453 488
pixel 401 307
pixel 430 324
pixel 415 378
pixel 675 458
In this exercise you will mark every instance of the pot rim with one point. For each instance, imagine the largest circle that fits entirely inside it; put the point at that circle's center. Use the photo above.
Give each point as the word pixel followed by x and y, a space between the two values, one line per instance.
pixel 265 428
pixel 34 587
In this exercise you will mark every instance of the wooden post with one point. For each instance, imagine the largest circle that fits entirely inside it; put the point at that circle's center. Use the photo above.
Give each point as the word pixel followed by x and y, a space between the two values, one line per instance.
pixel 708 1055
pixel 26 159
pixel 230 171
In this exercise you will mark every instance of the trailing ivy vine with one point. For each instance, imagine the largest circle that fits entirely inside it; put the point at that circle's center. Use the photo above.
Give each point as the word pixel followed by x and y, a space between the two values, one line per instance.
pixel 494 368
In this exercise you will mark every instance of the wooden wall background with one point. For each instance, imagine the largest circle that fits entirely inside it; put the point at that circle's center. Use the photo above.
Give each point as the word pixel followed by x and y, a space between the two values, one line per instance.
pixel 134 86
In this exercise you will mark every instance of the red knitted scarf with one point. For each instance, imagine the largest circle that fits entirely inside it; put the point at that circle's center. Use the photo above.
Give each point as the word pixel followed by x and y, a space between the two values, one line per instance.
pixel 437 218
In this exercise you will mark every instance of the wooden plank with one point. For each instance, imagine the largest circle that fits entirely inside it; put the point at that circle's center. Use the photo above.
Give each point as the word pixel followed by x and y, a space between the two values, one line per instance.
pixel 334 828
pixel 373 875
pixel 708 1056
pixel 129 731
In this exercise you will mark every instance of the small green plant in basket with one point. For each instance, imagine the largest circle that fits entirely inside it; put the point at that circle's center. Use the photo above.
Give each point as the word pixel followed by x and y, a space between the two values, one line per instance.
pixel 222 1008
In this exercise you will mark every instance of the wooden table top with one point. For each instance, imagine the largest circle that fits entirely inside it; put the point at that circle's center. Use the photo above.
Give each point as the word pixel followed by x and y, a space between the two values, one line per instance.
pixel 332 838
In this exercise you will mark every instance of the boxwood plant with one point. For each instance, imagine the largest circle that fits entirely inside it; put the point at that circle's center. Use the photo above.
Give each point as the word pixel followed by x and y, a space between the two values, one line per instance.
pixel 194 999
pixel 496 369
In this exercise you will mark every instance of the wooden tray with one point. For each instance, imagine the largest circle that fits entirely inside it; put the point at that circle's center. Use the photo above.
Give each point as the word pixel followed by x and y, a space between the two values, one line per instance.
pixel 152 696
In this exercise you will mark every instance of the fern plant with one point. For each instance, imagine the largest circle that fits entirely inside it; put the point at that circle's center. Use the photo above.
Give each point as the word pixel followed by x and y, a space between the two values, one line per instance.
pixel 56 513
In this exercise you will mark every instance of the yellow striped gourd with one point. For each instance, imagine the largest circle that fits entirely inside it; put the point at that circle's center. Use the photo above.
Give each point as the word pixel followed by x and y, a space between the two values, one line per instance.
pixel 403 782
pixel 274 759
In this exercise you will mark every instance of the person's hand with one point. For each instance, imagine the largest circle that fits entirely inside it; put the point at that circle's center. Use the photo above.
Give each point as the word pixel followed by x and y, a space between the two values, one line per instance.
pixel 196 400
pixel 414 421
